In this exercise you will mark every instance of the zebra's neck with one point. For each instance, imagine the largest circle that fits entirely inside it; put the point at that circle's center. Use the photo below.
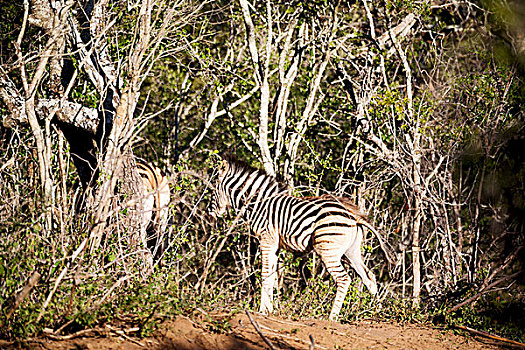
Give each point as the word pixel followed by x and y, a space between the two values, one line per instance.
pixel 250 191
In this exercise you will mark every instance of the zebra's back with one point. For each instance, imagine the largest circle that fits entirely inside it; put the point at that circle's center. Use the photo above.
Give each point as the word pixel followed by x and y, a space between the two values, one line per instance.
pixel 301 223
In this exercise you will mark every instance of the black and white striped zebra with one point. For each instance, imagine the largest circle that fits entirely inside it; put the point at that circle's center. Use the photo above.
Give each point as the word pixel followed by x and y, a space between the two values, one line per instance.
pixel 156 200
pixel 330 225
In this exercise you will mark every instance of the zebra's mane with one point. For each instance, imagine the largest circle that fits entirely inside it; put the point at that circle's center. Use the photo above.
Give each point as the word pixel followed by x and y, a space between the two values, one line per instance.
pixel 241 166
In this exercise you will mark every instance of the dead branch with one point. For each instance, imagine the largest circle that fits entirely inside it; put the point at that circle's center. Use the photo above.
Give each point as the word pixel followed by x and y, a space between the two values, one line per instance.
pixel 67 112
pixel 51 335
pixel 503 266
pixel 75 254
pixel 490 336
pixel 33 280
pixel 122 333
pixel 397 33
pixel 258 329
pixel 71 113
pixel 483 291
pixel 312 342
pixel 202 280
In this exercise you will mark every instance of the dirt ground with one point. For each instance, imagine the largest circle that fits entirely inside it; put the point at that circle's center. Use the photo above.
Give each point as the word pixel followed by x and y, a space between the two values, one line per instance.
pixel 185 334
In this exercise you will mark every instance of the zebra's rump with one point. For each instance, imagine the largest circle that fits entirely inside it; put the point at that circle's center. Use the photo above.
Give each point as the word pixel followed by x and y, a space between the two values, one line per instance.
pixel 337 218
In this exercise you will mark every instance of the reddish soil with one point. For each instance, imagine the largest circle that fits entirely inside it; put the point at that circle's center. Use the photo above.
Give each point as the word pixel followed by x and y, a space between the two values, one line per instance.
pixel 185 334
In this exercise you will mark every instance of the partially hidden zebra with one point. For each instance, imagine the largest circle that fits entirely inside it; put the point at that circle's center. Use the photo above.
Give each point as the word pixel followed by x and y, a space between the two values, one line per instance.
pixel 330 225
pixel 156 199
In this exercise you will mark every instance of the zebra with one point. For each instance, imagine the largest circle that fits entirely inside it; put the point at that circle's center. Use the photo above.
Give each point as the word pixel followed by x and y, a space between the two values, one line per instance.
pixel 330 225
pixel 156 199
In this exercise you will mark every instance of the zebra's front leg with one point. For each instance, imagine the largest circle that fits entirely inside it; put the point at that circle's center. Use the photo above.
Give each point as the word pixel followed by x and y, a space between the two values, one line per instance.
pixel 269 275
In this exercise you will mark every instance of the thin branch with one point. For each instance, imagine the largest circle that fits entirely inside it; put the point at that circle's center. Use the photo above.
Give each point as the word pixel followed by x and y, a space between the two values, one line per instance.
pixel 490 336
pixel 19 43
pixel 506 263
pixel 483 291
pixel 209 263
pixel 33 280
pixel 258 329
pixel 312 342
pixel 75 254
pixel 250 36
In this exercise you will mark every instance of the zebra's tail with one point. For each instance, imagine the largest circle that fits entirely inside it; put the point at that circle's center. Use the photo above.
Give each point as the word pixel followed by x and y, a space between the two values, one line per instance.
pixel 385 247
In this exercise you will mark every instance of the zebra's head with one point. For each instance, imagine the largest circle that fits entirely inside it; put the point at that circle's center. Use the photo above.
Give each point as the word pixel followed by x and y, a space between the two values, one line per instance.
pixel 220 197
pixel 237 185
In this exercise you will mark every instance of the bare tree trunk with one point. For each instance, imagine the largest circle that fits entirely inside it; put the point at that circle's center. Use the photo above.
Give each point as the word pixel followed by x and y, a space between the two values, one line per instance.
pixel 52 22
pixel 286 77
pixel 119 165
pixel 416 265
pixel 414 143
pixel 261 75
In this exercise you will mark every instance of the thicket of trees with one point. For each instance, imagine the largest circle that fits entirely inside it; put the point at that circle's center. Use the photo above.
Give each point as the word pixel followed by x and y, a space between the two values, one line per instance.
pixel 412 109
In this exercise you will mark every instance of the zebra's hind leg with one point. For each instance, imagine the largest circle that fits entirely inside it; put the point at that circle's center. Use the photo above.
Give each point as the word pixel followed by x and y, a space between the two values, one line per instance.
pixel 355 257
pixel 269 275
pixel 332 261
